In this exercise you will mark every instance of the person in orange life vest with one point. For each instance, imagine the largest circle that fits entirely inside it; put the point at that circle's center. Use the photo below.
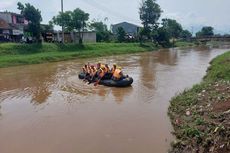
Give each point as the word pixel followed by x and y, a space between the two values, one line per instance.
pixel 93 70
pixel 107 68
pixel 117 75
pixel 98 65
pixel 113 69
pixel 92 73
pixel 84 69
pixel 97 70
pixel 102 73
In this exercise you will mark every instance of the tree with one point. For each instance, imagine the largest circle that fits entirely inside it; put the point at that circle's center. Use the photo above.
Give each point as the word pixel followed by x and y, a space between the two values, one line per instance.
pixel 98 26
pixel 150 12
pixel 47 27
pixel 63 19
pixel 173 28
pixel 185 34
pixel 101 31
pixel 121 34
pixel 79 18
pixel 33 16
pixel 144 33
pixel 205 31
pixel 161 36
pixel 73 20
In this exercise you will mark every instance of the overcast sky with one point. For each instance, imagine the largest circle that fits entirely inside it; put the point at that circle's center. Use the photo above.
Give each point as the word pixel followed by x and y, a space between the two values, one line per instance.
pixel 190 13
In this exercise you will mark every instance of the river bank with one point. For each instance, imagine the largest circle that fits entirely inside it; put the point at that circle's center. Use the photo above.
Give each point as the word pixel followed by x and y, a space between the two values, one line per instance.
pixel 201 116
pixel 22 54
pixel 12 54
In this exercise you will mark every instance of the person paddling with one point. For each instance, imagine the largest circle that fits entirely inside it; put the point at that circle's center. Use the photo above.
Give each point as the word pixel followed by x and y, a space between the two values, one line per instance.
pixel 92 74
pixel 86 71
pixel 118 74
pixel 101 75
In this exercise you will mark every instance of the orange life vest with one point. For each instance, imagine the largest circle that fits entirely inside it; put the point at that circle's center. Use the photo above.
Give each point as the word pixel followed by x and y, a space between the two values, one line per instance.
pixel 117 74
pixel 93 71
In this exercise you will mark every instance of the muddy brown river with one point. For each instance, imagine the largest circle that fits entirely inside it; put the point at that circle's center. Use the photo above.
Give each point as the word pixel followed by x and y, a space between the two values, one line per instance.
pixel 45 108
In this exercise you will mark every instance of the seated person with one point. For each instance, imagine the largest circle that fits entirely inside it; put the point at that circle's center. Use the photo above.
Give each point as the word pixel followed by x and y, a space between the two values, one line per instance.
pixel 102 73
pixel 85 69
pixel 118 74
pixel 98 65
pixel 113 68
pixel 107 69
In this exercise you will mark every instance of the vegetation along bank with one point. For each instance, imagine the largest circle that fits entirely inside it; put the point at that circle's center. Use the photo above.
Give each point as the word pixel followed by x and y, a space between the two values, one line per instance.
pixel 12 54
pixel 21 54
pixel 201 115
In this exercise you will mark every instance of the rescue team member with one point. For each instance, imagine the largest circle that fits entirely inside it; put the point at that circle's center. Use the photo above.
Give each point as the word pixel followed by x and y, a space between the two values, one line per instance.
pixel 107 69
pixel 113 68
pixel 102 73
pixel 93 71
pixel 99 65
pixel 118 74
pixel 85 69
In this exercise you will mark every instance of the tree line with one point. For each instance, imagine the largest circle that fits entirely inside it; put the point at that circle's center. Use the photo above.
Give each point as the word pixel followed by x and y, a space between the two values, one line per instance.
pixel 164 32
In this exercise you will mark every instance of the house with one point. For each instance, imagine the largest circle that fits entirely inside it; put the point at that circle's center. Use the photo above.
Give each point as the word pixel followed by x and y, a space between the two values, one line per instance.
pixel 130 29
pixel 11 26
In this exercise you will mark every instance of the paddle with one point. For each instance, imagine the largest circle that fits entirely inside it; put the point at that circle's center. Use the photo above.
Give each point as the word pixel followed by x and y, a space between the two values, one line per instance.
pixel 98 81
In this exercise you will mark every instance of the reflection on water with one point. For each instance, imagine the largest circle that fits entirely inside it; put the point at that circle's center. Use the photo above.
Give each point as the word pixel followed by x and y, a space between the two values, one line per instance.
pixel 119 95
pixel 26 81
pixel 147 71
pixel 46 108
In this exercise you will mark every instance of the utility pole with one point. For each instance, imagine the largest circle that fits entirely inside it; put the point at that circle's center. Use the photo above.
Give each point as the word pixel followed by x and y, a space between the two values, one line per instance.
pixel 63 34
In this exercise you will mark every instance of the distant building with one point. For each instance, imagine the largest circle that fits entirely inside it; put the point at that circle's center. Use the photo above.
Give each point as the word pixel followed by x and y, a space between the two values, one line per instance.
pixel 73 37
pixel 11 26
pixel 47 33
pixel 130 29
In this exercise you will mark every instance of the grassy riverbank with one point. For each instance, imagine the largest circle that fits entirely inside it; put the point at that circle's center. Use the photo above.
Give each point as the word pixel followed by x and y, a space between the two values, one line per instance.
pixel 184 44
pixel 201 115
pixel 12 54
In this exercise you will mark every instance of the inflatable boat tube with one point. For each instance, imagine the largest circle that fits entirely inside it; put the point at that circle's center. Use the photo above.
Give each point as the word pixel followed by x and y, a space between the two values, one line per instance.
pixel 125 82
pixel 81 76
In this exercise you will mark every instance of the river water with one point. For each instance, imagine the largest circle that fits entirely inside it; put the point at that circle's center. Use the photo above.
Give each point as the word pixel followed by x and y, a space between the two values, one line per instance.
pixel 45 108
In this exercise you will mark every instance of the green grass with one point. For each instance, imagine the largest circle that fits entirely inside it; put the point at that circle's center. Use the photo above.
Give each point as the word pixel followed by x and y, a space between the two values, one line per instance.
pixel 220 68
pixel 184 44
pixel 12 54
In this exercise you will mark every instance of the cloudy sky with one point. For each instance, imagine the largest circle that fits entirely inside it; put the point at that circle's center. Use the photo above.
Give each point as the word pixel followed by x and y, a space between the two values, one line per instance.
pixel 192 14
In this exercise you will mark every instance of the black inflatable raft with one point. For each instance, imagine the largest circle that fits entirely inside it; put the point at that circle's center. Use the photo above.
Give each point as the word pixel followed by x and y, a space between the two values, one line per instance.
pixel 124 82
pixel 81 76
